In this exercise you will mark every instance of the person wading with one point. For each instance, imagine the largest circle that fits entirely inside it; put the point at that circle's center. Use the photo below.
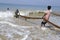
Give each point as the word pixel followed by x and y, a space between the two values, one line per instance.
pixel 17 13
pixel 46 17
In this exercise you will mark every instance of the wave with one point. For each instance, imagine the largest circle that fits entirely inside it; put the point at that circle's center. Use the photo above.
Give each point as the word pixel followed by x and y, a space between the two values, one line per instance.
pixel 24 34
pixel 6 14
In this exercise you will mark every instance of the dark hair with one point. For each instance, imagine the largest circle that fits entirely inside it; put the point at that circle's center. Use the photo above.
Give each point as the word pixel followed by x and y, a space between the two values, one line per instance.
pixel 17 11
pixel 49 7
pixel 7 8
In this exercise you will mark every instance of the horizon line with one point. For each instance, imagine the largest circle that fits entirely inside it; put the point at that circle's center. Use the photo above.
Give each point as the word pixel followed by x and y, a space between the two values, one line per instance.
pixel 25 4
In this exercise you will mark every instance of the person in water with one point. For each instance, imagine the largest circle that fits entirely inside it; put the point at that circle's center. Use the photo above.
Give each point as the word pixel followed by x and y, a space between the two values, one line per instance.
pixel 7 8
pixel 17 13
pixel 46 16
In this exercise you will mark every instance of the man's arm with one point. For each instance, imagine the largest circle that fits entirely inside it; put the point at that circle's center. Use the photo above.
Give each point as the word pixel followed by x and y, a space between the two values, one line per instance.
pixel 44 15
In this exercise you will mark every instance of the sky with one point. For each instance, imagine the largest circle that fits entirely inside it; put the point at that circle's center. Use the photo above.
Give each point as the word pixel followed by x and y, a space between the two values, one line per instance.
pixel 33 2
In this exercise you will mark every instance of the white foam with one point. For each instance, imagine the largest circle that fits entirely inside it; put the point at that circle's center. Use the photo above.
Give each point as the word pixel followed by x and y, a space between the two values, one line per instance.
pixel 20 33
pixel 24 13
pixel 43 28
pixel 10 14
pixel 14 25
pixel 9 35
pixel 6 14
pixel 26 36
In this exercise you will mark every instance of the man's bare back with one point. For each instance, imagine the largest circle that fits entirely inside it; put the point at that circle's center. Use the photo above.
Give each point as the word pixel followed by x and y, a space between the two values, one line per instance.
pixel 46 16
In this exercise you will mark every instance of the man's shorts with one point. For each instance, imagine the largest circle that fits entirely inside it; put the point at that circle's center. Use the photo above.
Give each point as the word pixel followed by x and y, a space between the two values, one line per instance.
pixel 43 22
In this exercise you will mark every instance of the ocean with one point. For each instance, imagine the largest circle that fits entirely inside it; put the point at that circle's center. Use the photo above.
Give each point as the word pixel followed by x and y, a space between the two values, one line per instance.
pixel 33 7
pixel 18 29
pixel 12 28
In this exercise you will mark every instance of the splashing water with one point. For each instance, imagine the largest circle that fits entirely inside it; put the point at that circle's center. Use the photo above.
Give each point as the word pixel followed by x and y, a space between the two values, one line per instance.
pixel 6 14
pixel 11 32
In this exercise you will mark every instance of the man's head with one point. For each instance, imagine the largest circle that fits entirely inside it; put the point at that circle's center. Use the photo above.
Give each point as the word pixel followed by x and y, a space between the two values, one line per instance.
pixel 7 8
pixel 49 7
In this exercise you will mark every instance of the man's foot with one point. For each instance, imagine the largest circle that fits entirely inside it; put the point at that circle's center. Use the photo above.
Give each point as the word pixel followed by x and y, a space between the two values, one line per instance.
pixel 43 28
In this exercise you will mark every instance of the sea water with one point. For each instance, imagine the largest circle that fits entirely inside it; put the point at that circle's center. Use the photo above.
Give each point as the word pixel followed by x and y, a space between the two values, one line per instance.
pixel 33 7
pixel 9 30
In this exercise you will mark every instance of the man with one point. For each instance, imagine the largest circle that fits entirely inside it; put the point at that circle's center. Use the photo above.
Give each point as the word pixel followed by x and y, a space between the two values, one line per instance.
pixel 7 8
pixel 17 13
pixel 46 17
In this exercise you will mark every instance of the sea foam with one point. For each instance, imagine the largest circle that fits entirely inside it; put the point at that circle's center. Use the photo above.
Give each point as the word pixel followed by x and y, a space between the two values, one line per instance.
pixel 6 14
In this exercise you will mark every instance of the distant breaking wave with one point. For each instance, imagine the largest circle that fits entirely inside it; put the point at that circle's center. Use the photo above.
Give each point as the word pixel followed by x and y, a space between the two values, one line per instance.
pixel 6 14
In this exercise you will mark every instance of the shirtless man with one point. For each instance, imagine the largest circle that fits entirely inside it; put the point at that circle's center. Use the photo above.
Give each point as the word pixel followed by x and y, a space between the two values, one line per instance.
pixel 46 16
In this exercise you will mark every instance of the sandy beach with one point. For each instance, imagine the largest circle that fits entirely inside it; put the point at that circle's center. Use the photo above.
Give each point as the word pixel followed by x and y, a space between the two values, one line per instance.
pixel 12 28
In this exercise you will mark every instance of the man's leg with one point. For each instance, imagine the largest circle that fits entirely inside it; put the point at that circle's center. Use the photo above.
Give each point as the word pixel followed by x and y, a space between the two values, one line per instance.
pixel 43 23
